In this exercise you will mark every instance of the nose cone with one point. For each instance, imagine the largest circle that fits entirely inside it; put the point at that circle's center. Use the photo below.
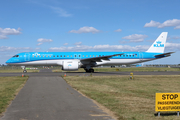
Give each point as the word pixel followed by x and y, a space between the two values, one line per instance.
pixel 8 61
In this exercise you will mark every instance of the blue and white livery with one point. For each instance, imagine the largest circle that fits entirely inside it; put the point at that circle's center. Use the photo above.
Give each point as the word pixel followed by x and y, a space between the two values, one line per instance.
pixel 74 60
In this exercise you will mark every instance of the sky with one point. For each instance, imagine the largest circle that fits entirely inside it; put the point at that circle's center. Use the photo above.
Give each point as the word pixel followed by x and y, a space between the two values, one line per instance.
pixel 88 25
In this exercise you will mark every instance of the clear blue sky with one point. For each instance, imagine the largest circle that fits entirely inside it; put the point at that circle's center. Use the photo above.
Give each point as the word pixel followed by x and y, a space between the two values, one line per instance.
pixel 88 25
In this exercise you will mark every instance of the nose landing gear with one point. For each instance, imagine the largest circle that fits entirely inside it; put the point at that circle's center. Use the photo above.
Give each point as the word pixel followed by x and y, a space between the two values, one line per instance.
pixel 24 71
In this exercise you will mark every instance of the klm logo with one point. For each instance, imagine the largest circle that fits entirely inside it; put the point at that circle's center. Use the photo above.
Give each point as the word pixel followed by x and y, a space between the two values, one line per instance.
pixel 158 44
pixel 35 54
pixel 69 65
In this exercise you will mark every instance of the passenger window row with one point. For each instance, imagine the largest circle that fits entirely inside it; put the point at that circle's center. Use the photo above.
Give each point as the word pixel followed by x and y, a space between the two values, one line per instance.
pixel 80 55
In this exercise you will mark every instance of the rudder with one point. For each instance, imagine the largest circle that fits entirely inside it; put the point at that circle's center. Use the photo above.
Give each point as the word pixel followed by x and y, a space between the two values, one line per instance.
pixel 159 45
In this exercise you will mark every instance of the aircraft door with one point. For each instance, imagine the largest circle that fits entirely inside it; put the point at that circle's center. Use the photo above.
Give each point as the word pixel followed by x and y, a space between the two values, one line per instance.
pixel 27 57
pixel 77 56
pixel 140 56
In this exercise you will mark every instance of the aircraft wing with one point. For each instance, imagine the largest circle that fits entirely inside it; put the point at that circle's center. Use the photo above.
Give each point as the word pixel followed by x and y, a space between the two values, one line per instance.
pixel 98 59
pixel 164 54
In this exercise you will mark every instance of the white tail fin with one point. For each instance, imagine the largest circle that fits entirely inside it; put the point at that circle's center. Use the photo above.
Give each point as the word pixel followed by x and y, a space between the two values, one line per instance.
pixel 159 45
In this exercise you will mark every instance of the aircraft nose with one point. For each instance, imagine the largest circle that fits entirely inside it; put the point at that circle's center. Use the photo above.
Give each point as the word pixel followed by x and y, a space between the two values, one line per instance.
pixel 8 61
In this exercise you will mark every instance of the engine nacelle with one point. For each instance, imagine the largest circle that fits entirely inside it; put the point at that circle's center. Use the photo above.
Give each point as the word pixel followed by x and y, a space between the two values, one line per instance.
pixel 70 65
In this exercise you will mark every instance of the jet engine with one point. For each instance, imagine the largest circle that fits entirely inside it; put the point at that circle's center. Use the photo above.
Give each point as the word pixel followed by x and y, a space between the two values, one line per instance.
pixel 70 65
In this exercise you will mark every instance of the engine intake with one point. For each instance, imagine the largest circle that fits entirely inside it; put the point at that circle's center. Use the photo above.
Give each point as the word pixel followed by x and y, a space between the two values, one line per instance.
pixel 70 65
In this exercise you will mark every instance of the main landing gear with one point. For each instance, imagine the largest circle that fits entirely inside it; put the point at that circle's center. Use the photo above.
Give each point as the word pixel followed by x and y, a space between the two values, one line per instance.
pixel 89 71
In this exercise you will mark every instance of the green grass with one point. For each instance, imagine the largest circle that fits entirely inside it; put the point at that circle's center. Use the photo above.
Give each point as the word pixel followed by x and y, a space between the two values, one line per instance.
pixel 9 87
pixel 132 69
pixel 128 99
pixel 15 70
pixel 149 69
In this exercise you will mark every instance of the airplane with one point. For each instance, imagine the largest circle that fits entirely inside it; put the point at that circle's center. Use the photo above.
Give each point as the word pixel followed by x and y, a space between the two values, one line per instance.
pixel 71 61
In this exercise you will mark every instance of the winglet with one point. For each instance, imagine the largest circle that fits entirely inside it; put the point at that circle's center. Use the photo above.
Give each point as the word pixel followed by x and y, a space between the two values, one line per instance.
pixel 159 45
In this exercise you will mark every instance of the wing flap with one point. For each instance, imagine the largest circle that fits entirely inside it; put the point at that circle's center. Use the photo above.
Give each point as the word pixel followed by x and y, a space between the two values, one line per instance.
pixel 98 59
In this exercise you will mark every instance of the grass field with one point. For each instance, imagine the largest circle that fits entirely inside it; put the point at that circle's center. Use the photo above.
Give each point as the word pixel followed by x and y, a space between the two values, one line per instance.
pixel 128 99
pixel 132 69
pixel 9 87
pixel 15 71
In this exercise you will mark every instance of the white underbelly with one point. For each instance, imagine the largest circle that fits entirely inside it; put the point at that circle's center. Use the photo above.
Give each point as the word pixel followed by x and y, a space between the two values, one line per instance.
pixel 121 61
pixel 39 62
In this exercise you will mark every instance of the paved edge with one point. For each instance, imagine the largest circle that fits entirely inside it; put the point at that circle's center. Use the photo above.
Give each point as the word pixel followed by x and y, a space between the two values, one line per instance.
pixel 93 101
pixel 10 102
pixel 103 108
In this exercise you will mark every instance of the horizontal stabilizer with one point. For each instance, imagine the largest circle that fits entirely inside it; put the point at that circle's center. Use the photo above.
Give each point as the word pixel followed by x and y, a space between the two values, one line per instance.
pixel 164 54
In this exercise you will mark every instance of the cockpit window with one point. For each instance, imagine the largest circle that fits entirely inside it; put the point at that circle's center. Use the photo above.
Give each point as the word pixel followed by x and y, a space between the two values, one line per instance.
pixel 16 56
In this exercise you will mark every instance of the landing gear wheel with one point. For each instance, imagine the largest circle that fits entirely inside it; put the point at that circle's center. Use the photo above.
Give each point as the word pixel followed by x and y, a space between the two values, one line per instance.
pixel 24 71
pixel 87 70
pixel 91 70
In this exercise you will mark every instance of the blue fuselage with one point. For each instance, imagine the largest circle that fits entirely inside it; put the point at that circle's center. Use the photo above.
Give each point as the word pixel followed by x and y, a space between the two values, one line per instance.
pixel 33 57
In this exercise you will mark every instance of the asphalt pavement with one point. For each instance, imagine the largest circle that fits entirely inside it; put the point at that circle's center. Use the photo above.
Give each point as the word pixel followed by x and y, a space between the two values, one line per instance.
pixel 46 96
pixel 49 73
pixel 45 70
pixel 51 98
